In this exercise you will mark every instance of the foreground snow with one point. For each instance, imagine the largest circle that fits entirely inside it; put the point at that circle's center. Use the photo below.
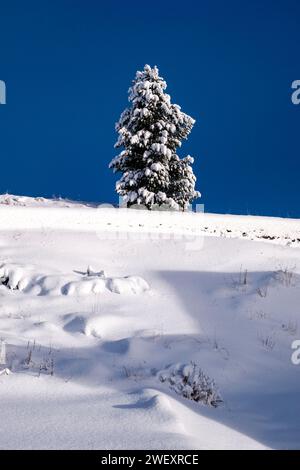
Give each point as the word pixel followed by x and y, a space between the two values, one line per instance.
pixel 85 366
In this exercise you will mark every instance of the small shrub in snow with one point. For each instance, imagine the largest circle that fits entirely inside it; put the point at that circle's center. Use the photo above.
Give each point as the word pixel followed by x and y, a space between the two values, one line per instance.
pixel 189 381
pixel 217 347
pixel 262 291
pixel 285 276
pixel 241 281
pixel 39 359
pixel 47 365
pixel 267 341
pixel 91 272
pixel 290 327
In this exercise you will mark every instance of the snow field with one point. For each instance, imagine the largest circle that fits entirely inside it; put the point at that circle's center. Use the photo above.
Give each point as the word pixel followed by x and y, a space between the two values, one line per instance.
pixel 86 367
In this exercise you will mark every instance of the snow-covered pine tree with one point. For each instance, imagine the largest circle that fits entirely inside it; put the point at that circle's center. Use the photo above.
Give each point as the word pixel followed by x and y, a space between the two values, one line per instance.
pixel 150 131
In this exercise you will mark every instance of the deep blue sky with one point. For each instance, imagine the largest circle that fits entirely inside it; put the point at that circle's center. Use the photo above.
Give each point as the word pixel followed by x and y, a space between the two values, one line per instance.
pixel 230 64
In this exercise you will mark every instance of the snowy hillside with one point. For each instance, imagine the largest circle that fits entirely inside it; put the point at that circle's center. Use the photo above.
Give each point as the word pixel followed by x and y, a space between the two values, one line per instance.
pixel 104 313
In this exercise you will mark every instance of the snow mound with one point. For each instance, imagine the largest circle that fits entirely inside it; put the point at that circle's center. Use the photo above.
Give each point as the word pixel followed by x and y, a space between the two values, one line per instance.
pixel 128 285
pixel 17 277
pixel 27 201
pixel 104 326
pixel 27 279
pixel 85 287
